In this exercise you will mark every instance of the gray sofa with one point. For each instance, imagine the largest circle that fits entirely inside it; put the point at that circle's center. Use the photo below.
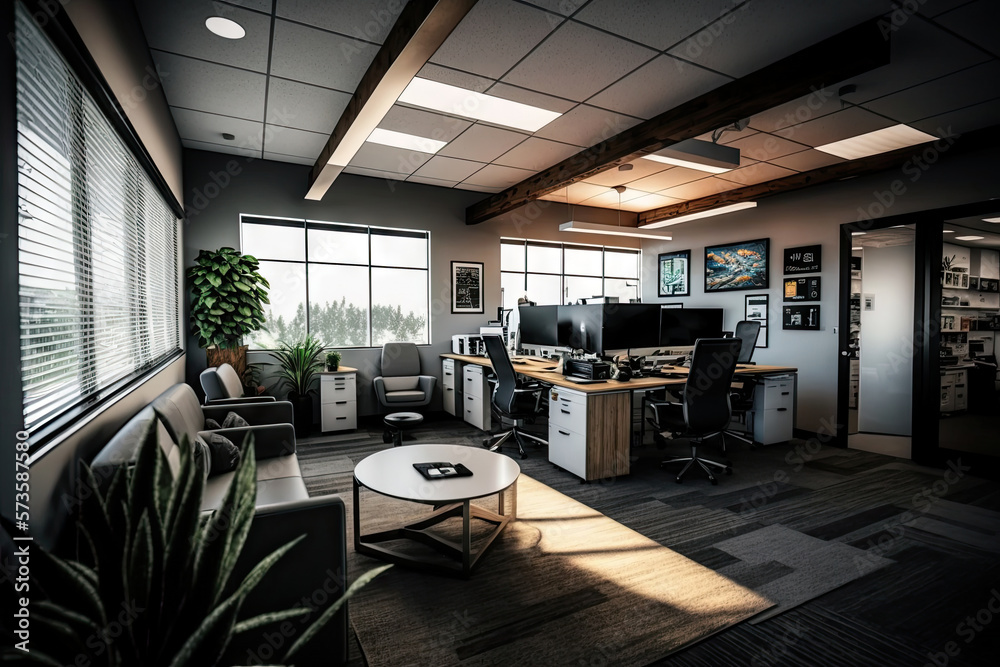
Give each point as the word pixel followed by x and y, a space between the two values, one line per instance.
pixel 314 573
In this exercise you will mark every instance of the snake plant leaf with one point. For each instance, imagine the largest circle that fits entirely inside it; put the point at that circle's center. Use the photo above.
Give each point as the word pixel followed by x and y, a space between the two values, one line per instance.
pixel 139 579
pixel 267 619
pixel 66 587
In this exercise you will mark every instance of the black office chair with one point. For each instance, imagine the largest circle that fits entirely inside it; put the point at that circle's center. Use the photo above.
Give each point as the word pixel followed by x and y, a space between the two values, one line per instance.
pixel 704 410
pixel 741 399
pixel 512 399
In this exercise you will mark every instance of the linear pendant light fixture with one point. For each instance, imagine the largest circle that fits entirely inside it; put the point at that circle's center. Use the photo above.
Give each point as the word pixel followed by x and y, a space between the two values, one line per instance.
pixel 697 154
pixel 612 230
pixel 701 214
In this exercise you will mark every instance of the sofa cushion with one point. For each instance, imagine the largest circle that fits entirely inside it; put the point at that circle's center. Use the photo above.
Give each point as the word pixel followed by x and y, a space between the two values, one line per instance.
pixel 202 455
pixel 225 455
pixel 281 490
pixel 278 466
pixel 180 411
pixel 403 396
pixel 233 420
pixel 268 470
pixel 211 424
pixel 123 448
pixel 392 384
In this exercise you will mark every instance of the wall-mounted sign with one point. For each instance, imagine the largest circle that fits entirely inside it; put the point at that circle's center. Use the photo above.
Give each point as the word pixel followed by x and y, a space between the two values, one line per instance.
pixel 804 259
pixel 800 317
pixel 802 289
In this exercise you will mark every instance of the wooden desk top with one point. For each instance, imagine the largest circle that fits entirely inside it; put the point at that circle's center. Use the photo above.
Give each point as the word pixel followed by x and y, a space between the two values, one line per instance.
pixel 741 369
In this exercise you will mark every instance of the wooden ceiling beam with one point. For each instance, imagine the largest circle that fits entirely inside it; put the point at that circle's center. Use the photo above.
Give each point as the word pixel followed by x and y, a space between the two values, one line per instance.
pixel 421 28
pixel 852 52
pixel 914 161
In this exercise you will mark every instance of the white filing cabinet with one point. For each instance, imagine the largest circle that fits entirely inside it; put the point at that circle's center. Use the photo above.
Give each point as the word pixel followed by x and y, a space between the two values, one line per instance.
pixel 476 397
pixel 568 430
pixel 773 409
pixel 954 390
pixel 338 397
pixel 448 385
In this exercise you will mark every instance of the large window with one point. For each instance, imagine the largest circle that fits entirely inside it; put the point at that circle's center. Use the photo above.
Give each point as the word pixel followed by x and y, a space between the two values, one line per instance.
pixel 348 285
pixel 97 245
pixel 561 273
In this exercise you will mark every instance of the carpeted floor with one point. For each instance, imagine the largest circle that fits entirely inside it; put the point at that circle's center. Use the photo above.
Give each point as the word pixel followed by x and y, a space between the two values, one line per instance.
pixel 939 532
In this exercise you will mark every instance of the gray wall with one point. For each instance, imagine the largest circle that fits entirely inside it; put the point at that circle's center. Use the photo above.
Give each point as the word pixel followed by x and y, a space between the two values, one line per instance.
pixel 808 217
pixel 218 188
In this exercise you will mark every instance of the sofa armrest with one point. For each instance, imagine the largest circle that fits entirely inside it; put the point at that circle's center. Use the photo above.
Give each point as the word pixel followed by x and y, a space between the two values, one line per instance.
pixel 268 441
pixel 313 574
pixel 379 385
pixel 257 414
pixel 241 399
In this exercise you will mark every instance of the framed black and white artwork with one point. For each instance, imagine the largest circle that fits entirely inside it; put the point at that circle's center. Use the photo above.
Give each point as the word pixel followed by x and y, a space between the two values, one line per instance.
pixel 467 287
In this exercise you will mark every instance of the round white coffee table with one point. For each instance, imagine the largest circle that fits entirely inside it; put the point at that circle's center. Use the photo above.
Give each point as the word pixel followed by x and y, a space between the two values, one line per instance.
pixel 391 473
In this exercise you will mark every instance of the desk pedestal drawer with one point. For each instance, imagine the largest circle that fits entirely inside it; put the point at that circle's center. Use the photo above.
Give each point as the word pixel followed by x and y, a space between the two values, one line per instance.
pixel 771 426
pixel 568 450
pixel 477 412
pixel 449 399
pixel 339 416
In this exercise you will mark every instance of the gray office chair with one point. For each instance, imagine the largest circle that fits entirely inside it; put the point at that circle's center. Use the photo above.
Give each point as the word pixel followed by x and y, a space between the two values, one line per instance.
pixel 741 399
pixel 222 385
pixel 514 400
pixel 400 384
pixel 704 410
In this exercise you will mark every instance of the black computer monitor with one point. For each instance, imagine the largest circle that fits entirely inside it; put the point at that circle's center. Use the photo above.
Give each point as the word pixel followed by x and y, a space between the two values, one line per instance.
pixel 631 326
pixel 539 325
pixel 581 327
pixel 681 327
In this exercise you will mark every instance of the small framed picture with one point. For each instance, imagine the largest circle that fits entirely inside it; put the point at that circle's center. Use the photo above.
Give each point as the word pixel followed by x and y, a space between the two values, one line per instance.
pixel 674 273
pixel 467 287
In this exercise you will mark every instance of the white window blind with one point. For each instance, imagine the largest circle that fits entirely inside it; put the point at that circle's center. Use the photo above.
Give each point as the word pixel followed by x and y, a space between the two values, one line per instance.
pixel 97 243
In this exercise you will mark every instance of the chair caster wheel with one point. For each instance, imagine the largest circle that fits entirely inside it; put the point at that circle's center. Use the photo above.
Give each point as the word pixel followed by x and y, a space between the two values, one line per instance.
pixel 714 481
pixel 524 456
pixel 729 464
pixel 729 471
pixel 486 443
pixel 386 437
pixel 678 480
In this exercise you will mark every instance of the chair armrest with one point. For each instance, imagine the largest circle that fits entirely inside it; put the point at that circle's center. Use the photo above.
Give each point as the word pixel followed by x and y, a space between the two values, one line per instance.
pixel 268 441
pixel 242 399
pixel 426 384
pixel 379 385
pixel 257 414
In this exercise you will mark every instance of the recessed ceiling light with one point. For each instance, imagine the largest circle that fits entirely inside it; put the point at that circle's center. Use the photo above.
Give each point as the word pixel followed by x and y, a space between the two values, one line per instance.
pixel 225 27
pixel 993 220
pixel 857 248
pixel 858 233
pixel 409 142
pixel 969 238
pixel 701 214
pixel 948 231
pixel 470 104
pixel 879 141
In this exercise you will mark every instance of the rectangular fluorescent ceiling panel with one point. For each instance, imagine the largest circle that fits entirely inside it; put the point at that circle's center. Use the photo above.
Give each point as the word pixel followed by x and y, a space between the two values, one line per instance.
pixel 993 220
pixel 697 154
pixel 478 106
pixel 701 214
pixel 879 141
pixel 409 142
pixel 968 238
pixel 612 230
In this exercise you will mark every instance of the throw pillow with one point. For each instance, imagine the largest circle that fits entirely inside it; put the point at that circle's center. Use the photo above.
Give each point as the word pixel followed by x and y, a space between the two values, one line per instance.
pixel 202 455
pixel 211 425
pixel 233 420
pixel 225 455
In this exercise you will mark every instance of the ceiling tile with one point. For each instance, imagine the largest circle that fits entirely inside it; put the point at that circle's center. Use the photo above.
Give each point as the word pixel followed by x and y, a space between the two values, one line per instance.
pixel 937 7
pixel 388 158
pixel 288 141
pixel 448 168
pixel 259 5
pixel 667 179
pixel 843 124
pixel 494 36
pixel 609 198
pixel 414 178
pixel 423 123
pixel 375 173
pixel 977 22
pixel 478 188
pixel 577 61
pixel 656 87
pixel 578 192
pixel 777 120
pixel 179 27
pixel 304 107
pixel 454 77
pixel 563 7
pixel 322 58
pixel 955 91
pixel 482 143
pixel 209 127
pixel 961 121
pixel 369 21
pixel 195 84
pixel 292 159
pixel 537 154
pixel 640 169
pixel 497 176
pixel 738 43
pixel 586 126
pixel 806 160
pixel 762 147
pixel 703 188
pixel 535 99
pixel 220 148
pixel 655 23
pixel 649 202
pixel 755 173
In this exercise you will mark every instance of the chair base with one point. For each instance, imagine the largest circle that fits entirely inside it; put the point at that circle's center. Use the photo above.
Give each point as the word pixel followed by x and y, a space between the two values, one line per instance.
pixel 702 463
pixel 495 443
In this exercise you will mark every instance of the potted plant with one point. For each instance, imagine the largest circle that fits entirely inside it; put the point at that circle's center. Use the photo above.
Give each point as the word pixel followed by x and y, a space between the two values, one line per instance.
pixel 299 364
pixel 332 360
pixel 228 297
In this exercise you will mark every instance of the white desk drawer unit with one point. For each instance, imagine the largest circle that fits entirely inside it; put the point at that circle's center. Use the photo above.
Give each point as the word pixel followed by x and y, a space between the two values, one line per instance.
pixel 448 385
pixel 476 397
pixel 568 430
pixel 774 409
pixel 338 397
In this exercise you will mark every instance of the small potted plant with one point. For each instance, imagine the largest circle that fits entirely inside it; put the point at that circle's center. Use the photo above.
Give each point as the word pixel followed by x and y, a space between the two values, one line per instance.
pixel 298 365
pixel 332 360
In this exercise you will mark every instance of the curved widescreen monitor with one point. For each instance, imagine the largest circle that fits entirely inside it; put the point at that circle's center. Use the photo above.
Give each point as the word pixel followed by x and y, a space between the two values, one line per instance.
pixel 681 327
pixel 539 325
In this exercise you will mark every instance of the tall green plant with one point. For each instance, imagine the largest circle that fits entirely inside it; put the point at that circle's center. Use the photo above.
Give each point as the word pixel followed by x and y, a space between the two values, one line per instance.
pixel 299 365
pixel 229 297
pixel 150 587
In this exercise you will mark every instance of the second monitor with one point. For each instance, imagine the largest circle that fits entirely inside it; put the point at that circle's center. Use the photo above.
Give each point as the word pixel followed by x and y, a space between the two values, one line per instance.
pixel 681 327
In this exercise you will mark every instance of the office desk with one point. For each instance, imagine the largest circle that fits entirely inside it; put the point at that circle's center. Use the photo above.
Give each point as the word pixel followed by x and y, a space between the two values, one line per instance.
pixel 590 425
